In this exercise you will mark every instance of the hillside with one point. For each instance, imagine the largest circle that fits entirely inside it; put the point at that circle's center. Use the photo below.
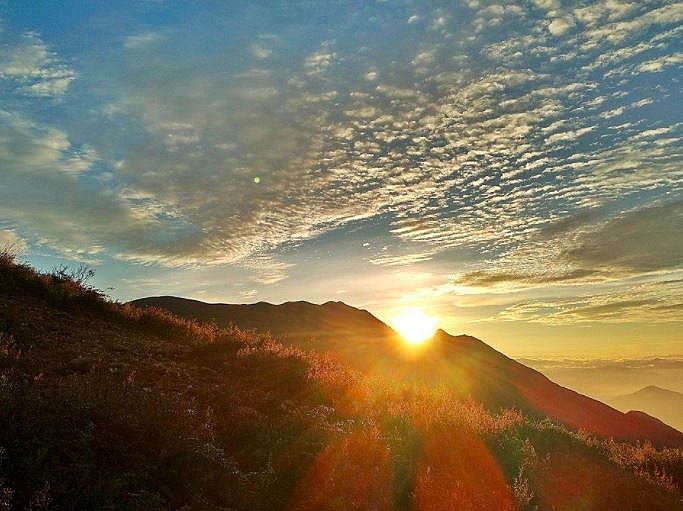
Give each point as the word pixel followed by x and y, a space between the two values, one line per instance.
pixel 108 406
pixel 465 364
pixel 333 326
pixel 300 320
pixel 662 403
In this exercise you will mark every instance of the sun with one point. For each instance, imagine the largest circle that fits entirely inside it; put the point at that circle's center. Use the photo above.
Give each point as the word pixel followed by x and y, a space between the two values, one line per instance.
pixel 414 325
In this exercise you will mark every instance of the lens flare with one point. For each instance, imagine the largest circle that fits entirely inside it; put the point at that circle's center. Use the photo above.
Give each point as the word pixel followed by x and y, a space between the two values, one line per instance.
pixel 414 325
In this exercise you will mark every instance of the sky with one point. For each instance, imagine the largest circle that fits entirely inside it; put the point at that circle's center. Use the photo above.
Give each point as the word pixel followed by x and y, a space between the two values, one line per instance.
pixel 514 169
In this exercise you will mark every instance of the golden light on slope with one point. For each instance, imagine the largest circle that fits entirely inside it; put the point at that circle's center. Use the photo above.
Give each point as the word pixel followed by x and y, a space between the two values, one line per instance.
pixel 414 325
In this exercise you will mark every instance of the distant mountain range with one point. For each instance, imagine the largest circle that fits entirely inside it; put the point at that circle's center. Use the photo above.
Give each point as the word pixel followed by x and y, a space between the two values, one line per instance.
pixel 462 362
pixel 662 403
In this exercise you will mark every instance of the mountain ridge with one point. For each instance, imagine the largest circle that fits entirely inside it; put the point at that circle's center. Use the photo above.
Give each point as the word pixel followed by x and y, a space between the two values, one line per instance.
pixel 462 362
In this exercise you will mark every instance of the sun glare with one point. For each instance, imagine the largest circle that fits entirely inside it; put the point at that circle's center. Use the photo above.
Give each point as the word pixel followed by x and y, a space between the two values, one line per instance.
pixel 414 325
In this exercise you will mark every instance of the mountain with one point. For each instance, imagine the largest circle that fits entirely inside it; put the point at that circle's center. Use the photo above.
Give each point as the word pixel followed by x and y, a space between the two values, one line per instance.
pixel 111 406
pixel 463 363
pixel 662 403
pixel 305 324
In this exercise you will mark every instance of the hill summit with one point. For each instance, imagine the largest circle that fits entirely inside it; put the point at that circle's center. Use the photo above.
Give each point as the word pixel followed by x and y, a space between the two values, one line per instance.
pixel 654 400
pixel 112 406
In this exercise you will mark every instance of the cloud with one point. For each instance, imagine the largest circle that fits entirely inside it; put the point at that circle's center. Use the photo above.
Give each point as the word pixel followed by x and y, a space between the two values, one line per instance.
pixel 623 367
pixel 565 136
pixel 42 194
pixel 266 269
pixel 260 51
pixel 653 301
pixel 28 64
pixel 402 260
pixel 482 278
pixel 319 61
pixel 657 65
pixel 548 5
pixel 638 241
pixel 26 147
pixel 143 40
pixel 559 26
pixel 571 223
pixel 586 248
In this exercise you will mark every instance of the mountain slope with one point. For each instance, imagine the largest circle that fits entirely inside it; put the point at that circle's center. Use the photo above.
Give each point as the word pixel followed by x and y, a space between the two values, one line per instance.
pixel 463 363
pixel 297 318
pixel 336 325
pixel 662 403
pixel 108 406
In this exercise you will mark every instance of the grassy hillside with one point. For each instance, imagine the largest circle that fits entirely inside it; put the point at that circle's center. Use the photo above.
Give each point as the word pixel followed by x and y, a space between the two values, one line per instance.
pixel 466 365
pixel 106 406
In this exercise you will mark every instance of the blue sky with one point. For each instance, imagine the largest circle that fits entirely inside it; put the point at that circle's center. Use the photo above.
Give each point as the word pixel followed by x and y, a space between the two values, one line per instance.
pixel 514 169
